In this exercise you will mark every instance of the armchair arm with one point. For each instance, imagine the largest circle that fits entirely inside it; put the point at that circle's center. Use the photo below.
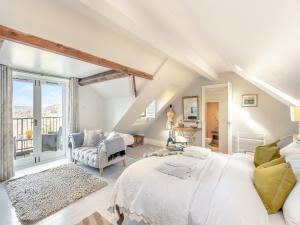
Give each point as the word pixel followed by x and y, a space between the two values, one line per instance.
pixel 76 140
pixel 102 157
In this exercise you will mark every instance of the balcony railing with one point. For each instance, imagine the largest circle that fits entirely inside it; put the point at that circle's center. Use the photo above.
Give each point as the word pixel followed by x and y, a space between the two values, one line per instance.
pixel 24 144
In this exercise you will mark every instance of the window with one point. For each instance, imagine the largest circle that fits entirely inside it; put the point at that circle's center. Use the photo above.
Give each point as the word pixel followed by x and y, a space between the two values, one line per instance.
pixel 150 111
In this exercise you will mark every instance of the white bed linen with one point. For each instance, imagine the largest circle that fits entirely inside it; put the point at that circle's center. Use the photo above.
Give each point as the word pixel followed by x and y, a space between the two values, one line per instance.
pixel 128 139
pixel 221 193
pixel 197 152
pixel 277 219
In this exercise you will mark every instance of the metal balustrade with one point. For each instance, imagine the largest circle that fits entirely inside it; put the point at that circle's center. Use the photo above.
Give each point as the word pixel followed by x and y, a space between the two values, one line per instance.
pixel 24 144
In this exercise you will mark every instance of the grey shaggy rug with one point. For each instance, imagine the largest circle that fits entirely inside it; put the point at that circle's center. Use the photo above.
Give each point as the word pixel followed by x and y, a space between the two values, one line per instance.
pixel 139 151
pixel 38 195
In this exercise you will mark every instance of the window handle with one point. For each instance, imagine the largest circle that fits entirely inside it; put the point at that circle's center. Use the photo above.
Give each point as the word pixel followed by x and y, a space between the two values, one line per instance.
pixel 35 122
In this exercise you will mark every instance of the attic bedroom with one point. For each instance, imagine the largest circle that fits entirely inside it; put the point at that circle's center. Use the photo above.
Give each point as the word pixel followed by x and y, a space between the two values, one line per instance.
pixel 149 113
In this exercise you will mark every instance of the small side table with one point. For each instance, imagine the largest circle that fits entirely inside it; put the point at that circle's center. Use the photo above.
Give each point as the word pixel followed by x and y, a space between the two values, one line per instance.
pixel 188 134
pixel 138 140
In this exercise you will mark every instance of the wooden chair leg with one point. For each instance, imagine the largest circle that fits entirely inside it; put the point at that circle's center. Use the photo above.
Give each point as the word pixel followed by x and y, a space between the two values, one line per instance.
pixel 120 216
pixel 124 162
pixel 101 172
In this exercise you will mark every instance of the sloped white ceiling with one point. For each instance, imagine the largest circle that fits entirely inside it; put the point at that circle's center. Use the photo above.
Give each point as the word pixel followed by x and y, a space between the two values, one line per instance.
pixel 261 37
pixel 23 57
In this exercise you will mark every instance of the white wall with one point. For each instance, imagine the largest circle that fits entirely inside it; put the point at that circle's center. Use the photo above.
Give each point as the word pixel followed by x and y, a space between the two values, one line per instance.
pixel 91 109
pixel 99 112
pixel 171 76
pixel 115 108
pixel 158 130
pixel 271 117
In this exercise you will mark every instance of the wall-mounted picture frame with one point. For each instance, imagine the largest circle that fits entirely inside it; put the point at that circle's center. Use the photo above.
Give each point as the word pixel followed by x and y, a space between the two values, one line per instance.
pixel 190 106
pixel 249 100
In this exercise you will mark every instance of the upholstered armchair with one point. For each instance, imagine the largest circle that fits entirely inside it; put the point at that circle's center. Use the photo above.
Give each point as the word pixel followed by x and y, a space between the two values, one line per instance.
pixel 90 155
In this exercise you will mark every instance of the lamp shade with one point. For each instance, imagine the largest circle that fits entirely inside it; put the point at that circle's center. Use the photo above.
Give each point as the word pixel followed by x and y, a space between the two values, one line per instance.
pixel 295 114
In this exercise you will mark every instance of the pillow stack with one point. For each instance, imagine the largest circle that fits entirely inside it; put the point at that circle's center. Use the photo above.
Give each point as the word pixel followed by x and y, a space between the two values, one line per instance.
pixel 266 153
pixel 274 178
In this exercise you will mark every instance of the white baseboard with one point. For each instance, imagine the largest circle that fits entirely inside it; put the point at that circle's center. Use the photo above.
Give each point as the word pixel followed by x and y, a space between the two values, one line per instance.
pixel 156 142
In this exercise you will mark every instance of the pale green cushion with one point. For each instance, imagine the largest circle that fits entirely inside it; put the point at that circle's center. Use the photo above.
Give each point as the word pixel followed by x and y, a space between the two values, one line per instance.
pixel 274 184
pixel 266 153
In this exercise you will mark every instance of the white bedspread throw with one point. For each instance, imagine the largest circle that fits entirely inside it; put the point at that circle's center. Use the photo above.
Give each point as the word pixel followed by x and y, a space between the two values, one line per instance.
pixel 219 192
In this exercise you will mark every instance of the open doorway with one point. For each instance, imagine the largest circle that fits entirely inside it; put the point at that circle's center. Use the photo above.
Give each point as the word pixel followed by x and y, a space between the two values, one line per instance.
pixel 212 125
pixel 216 117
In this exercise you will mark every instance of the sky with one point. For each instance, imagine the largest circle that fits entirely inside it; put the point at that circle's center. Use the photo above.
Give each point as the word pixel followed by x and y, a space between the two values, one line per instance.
pixel 23 94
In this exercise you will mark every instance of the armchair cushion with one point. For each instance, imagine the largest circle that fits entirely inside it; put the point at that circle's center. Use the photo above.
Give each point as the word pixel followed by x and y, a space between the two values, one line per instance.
pixel 93 137
pixel 76 140
pixel 86 155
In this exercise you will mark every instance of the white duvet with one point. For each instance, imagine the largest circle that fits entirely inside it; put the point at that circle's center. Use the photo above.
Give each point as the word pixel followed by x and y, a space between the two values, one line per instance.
pixel 219 192
pixel 128 139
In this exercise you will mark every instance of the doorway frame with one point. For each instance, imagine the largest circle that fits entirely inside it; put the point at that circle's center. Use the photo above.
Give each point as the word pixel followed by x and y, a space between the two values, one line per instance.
pixel 38 156
pixel 228 85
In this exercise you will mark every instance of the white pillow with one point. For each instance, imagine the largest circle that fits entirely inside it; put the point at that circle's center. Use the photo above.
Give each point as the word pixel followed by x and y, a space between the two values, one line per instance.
pixel 291 149
pixel 90 137
pixel 291 207
pixel 294 160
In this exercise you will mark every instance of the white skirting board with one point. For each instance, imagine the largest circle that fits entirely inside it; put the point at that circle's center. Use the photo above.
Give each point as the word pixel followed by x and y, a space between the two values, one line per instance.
pixel 156 142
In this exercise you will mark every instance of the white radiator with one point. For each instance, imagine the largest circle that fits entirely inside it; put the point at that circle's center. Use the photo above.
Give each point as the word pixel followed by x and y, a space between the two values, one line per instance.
pixel 247 142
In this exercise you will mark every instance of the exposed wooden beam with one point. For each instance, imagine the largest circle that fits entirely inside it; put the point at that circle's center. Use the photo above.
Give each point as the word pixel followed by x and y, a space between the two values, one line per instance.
pixel 134 86
pixel 101 77
pixel 27 39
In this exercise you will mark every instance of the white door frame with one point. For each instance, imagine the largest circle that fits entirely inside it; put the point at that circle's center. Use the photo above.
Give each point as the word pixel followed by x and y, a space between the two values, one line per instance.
pixel 203 112
pixel 38 155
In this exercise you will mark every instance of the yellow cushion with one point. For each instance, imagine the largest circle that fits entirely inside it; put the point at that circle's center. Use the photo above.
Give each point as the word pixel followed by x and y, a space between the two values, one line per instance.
pixel 273 162
pixel 274 184
pixel 266 153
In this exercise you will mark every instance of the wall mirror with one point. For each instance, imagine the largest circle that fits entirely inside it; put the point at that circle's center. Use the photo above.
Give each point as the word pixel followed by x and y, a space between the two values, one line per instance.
pixel 190 108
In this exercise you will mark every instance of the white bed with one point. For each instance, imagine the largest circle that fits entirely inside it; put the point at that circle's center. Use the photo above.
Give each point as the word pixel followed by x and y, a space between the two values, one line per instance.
pixel 128 139
pixel 220 192
pixel 277 219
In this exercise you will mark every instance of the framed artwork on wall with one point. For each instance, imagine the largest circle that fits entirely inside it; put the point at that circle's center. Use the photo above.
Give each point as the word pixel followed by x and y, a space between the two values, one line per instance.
pixel 190 107
pixel 249 100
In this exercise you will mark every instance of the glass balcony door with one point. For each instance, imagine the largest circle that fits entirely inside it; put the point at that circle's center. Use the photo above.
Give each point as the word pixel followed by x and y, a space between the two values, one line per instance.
pixel 39 121
pixel 52 120
pixel 23 122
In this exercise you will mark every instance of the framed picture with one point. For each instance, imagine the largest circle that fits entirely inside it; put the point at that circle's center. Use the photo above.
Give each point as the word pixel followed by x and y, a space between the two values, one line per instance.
pixel 190 107
pixel 249 100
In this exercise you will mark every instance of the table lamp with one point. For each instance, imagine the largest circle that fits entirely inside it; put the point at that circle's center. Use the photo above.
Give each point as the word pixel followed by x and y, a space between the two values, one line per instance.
pixel 295 117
